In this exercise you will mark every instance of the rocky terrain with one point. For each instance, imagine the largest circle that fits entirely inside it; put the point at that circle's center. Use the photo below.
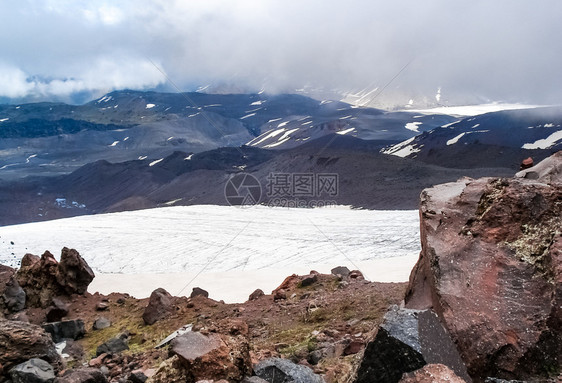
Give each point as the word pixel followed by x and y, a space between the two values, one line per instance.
pixel 482 305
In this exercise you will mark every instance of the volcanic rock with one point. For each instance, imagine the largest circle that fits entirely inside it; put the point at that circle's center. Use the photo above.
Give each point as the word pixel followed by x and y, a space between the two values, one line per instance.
pixel 14 296
pixel 406 341
pixel 113 345
pixel 57 311
pixel 159 306
pixel 70 329
pixel 82 375
pixel 432 373
pixel 44 278
pixel 197 291
pixel 341 271
pixel 278 370
pixel 33 371
pixel 101 323
pixel 20 341
pixel 215 356
pixel 491 267
pixel 258 293
pixel 308 280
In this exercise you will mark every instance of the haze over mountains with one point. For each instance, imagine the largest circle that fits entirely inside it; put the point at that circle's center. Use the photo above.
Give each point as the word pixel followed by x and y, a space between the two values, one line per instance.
pixel 130 150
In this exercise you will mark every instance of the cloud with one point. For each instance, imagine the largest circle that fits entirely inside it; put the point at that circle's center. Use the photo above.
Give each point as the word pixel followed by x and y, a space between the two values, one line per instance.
pixel 475 50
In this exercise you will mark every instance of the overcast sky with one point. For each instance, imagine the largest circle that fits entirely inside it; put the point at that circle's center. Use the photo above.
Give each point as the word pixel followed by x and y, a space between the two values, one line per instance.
pixel 497 50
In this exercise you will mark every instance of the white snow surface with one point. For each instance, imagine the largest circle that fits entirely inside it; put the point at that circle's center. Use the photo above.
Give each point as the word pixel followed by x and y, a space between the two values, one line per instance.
pixel 235 250
pixel 402 149
pixel 413 126
pixel 473 110
pixel 344 132
pixel 546 142
pixel 455 139
pixel 150 106
pixel 155 162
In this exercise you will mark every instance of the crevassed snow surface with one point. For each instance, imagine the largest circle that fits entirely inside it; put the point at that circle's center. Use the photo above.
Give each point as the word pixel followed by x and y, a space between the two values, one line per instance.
pixel 219 238
pixel 546 142
pixel 226 250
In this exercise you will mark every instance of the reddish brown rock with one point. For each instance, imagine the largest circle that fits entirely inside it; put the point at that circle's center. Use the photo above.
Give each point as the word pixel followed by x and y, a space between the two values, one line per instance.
pixel 214 356
pixel 258 293
pixel 491 267
pixel 160 305
pixel 44 278
pixel 526 163
pixel 20 341
pixel 432 373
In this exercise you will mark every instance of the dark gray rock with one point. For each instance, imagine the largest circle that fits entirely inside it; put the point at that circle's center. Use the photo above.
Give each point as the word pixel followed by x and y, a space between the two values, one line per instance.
pixel 137 377
pixel 159 306
pixel 33 371
pixel 277 370
pixel 341 270
pixel 112 346
pixel 308 280
pixel 253 379
pixel 57 311
pixel 101 323
pixel 197 291
pixel 70 329
pixel 406 341
pixel 83 375
pixel 14 296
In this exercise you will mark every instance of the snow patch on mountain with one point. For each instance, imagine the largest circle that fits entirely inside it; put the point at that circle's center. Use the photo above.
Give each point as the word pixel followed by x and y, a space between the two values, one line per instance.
pixel 403 149
pixel 545 143
pixel 455 139
pixel 413 126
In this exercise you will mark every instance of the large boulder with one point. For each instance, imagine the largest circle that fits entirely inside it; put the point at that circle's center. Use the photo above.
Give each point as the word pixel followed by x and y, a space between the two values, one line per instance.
pixel 33 371
pixel 69 329
pixel 43 277
pixel 406 341
pixel 491 267
pixel 160 305
pixel 278 370
pixel 20 341
pixel 224 355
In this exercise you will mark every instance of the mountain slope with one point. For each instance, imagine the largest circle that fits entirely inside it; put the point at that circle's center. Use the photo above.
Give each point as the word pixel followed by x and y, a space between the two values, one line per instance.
pixel 55 138
pixel 364 178
pixel 492 139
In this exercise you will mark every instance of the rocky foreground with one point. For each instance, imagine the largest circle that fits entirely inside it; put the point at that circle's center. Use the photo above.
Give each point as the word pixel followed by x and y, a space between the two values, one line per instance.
pixel 484 304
